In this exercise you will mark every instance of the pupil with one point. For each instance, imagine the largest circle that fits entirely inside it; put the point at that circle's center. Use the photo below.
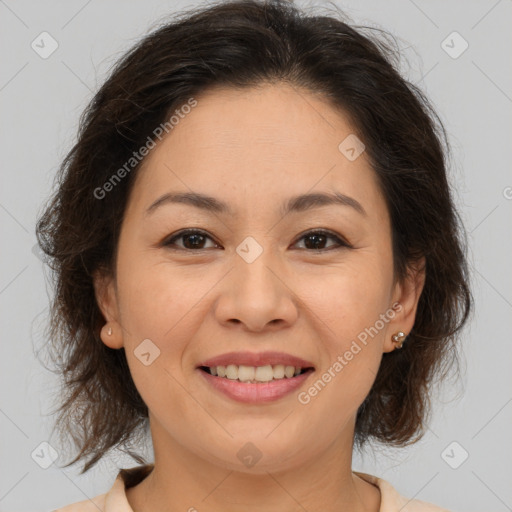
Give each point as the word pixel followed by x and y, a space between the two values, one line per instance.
pixel 198 238
pixel 315 237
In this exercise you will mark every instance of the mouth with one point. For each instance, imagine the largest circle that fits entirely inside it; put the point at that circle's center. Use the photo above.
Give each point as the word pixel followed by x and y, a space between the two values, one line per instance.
pixel 256 374
pixel 253 378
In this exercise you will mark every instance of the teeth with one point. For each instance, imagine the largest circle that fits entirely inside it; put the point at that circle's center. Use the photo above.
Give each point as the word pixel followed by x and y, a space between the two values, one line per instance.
pixel 264 373
pixel 246 373
pixel 289 371
pixel 255 373
pixel 278 371
pixel 232 371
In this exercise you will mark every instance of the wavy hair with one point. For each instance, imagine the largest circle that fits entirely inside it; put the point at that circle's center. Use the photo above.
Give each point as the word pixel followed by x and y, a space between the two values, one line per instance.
pixel 247 43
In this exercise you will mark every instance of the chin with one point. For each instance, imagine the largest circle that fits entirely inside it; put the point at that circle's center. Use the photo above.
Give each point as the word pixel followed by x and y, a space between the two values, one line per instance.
pixel 258 452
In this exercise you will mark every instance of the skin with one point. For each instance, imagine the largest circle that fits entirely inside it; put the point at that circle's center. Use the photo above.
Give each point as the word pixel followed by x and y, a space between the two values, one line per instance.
pixel 254 149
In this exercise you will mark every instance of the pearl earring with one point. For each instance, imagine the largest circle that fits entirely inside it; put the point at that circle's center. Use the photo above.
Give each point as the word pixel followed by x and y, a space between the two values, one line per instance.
pixel 398 339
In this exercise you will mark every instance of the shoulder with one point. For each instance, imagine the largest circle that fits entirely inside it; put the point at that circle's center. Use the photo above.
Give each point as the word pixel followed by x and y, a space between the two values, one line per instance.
pixel 115 499
pixel 91 505
pixel 392 501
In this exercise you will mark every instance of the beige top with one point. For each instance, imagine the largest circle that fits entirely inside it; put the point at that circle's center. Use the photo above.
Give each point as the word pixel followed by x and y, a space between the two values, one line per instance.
pixel 115 499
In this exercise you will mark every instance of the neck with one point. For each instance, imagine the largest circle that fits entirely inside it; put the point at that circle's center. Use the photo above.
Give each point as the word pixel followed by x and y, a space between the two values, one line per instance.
pixel 183 481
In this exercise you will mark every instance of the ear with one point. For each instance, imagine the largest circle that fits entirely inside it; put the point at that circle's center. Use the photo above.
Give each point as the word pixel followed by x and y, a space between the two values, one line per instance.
pixel 106 297
pixel 406 295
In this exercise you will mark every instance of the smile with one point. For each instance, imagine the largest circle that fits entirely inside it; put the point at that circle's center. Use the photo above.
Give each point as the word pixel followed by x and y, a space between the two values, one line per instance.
pixel 252 390
pixel 254 374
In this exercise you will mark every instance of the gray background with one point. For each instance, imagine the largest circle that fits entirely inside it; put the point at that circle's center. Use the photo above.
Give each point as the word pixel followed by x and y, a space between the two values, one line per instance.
pixel 41 100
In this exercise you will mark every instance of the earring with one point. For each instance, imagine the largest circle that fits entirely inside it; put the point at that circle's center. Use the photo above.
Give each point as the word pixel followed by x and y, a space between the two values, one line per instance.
pixel 398 339
pixel 109 331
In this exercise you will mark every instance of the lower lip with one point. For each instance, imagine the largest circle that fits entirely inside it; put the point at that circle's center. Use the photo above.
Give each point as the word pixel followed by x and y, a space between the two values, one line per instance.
pixel 255 393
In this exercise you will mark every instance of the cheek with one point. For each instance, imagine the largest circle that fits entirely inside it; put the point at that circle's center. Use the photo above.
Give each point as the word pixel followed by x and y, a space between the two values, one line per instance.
pixel 351 354
pixel 153 308
pixel 155 299
pixel 350 297
pixel 166 305
pixel 160 315
pixel 351 315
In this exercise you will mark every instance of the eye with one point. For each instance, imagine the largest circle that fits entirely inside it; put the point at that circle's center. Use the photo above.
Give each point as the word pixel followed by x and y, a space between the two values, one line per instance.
pixel 315 239
pixel 195 239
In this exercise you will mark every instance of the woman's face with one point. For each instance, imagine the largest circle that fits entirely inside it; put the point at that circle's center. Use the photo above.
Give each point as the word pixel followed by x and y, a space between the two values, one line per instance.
pixel 255 277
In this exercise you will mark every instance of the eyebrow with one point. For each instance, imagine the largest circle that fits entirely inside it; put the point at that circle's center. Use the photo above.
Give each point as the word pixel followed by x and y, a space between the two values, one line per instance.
pixel 298 203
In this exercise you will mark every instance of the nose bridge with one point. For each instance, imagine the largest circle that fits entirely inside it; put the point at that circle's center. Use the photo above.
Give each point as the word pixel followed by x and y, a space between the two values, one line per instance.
pixel 256 294
pixel 256 265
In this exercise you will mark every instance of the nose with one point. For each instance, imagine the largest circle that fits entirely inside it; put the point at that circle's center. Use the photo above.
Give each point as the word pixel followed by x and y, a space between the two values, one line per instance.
pixel 257 295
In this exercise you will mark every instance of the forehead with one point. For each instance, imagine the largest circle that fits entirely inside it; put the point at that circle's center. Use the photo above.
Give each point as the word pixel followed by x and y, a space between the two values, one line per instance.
pixel 277 117
pixel 265 143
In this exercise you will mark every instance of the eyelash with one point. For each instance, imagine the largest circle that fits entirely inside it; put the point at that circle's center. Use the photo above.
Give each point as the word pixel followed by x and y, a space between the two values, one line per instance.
pixel 342 244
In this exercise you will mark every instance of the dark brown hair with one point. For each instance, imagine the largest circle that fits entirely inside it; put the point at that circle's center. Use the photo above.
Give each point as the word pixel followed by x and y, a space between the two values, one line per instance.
pixel 241 44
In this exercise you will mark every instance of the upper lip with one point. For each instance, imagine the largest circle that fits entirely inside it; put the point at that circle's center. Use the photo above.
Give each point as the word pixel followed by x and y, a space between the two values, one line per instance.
pixel 256 359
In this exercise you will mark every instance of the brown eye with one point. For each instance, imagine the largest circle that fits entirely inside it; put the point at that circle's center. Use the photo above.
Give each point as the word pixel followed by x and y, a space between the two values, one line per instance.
pixel 316 240
pixel 192 239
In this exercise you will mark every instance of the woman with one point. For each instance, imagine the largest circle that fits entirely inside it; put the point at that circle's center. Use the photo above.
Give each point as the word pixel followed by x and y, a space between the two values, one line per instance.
pixel 258 260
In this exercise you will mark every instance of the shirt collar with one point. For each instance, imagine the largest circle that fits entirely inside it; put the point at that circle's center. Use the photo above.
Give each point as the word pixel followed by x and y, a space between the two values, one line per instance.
pixel 116 500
